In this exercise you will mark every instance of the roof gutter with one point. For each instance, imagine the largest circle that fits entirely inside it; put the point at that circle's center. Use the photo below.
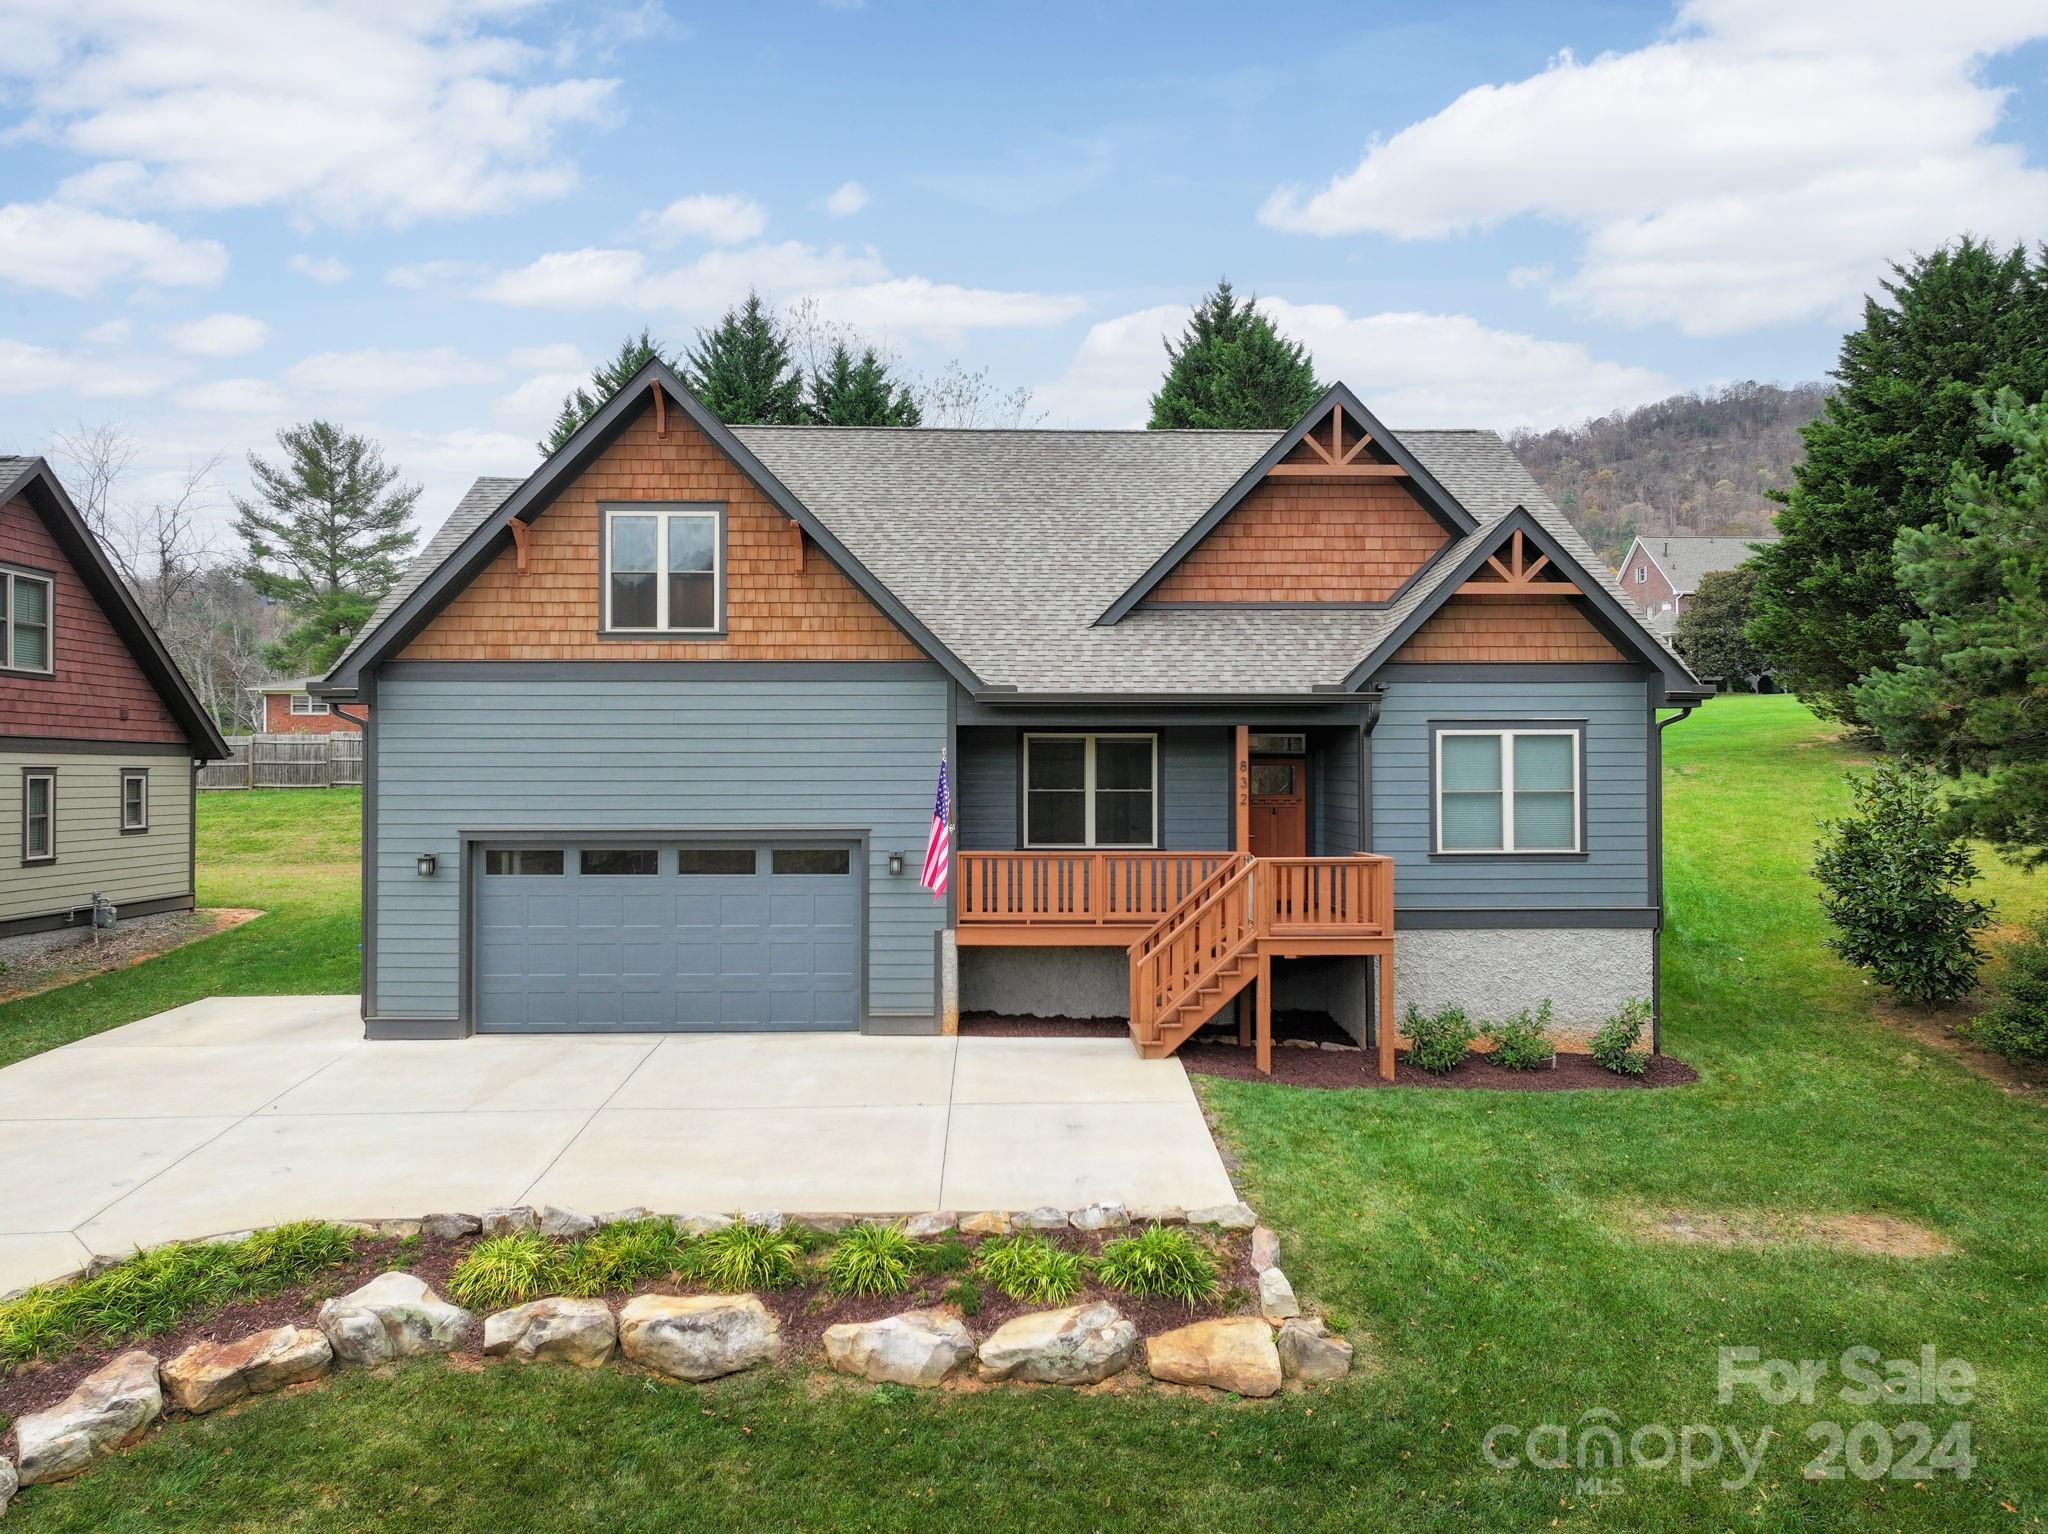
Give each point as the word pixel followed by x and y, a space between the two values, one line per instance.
pixel 997 697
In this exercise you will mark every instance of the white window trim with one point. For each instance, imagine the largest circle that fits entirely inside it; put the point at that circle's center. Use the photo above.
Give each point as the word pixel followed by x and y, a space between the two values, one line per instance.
pixel 1508 735
pixel 138 775
pixel 314 708
pixel 48 854
pixel 1088 789
pixel 11 575
pixel 662 512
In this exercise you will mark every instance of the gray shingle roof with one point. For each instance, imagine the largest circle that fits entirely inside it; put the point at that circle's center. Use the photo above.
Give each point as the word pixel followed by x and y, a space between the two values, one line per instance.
pixel 1685 560
pixel 1008 545
pixel 483 498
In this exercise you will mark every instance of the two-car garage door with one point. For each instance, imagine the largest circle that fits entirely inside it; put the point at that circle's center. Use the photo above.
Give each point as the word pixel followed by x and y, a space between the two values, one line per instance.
pixel 661 936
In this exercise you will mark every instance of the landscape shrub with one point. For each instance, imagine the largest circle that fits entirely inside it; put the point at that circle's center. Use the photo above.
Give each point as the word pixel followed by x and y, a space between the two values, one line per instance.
pixel 741 1257
pixel 1164 1260
pixel 964 1295
pixel 619 1256
pixel 1889 872
pixel 871 1260
pixel 504 1270
pixel 1439 1041
pixel 2016 1025
pixel 1618 1042
pixel 154 1291
pixel 951 1255
pixel 1523 1042
pixel 1030 1268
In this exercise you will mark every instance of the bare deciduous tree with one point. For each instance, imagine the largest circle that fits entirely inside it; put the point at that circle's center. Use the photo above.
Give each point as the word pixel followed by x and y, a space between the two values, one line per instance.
pixel 956 397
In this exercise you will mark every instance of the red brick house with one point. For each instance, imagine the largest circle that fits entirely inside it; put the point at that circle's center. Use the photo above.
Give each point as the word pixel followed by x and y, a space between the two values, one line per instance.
pixel 99 731
pixel 287 708
pixel 1659 575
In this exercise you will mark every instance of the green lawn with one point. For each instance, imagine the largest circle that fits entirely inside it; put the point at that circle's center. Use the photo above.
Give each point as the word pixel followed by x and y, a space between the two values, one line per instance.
pixel 1476 1245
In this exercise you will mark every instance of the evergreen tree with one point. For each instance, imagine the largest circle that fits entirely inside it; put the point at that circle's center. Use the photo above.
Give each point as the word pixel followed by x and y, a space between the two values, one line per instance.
pixel 326 535
pixel 742 372
pixel 1829 606
pixel 850 391
pixel 1231 368
pixel 1710 634
pixel 606 379
pixel 1971 696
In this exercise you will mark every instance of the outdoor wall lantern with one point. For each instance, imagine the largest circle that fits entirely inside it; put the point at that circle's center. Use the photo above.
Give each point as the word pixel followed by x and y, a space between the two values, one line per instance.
pixel 895 863
pixel 426 862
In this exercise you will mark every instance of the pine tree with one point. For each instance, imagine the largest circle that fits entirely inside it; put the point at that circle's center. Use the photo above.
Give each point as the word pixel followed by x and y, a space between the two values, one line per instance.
pixel 606 379
pixel 1830 609
pixel 742 372
pixel 1971 696
pixel 1231 368
pixel 326 536
pixel 850 391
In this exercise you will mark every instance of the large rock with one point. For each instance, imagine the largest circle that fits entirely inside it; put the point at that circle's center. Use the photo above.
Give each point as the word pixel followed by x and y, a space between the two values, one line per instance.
pixel 1234 1353
pixel 109 1410
pixel 509 1220
pixel 1265 1249
pixel 565 1224
pixel 450 1227
pixel 935 1222
pixel 990 1222
pixel 1159 1214
pixel 394 1315
pixel 1276 1296
pixel 919 1347
pixel 1309 1350
pixel 765 1219
pixel 1105 1215
pixel 1044 1217
pixel 559 1331
pixel 1076 1346
pixel 701 1224
pixel 1224 1216
pixel 698 1336
pixel 210 1375
pixel 9 1481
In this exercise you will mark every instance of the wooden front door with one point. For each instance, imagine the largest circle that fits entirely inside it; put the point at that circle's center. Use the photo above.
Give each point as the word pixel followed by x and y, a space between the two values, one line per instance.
pixel 1279 807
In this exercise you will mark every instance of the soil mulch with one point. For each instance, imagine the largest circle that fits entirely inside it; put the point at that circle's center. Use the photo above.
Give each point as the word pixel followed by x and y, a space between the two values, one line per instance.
pixel 804 1312
pixel 1312 1051
pixel 1876 1235
pixel 41 962
pixel 1941 1029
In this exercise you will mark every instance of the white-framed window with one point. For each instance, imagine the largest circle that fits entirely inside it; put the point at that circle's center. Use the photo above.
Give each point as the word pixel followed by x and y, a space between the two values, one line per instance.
pixel 1507 790
pixel 663 569
pixel 38 815
pixel 1091 790
pixel 134 799
pixel 1642 574
pixel 26 600
pixel 306 703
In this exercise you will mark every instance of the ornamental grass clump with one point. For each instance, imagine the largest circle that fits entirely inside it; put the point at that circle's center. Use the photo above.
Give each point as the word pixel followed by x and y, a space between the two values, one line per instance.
pixel 1165 1260
pixel 736 1258
pixel 504 1270
pixel 871 1260
pixel 1617 1043
pixel 1440 1041
pixel 619 1256
pixel 1030 1268
pixel 1523 1042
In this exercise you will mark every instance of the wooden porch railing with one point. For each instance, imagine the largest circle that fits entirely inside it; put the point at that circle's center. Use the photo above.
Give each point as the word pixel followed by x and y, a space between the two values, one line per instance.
pixel 1327 897
pixel 1057 889
pixel 1172 963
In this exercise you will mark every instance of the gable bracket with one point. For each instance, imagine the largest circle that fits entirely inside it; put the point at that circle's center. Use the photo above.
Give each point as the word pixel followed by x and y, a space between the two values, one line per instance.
pixel 1521 576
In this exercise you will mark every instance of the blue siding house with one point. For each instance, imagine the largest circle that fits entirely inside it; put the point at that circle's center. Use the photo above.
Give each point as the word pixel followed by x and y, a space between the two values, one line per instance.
pixel 1337 718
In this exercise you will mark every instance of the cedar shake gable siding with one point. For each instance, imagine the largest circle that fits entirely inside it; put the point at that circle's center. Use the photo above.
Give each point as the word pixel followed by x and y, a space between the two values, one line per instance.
pixel 1477 629
pixel 98 691
pixel 783 600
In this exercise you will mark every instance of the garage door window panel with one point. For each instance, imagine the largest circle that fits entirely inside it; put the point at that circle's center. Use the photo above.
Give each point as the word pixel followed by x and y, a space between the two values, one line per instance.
pixel 834 861
pixel 618 862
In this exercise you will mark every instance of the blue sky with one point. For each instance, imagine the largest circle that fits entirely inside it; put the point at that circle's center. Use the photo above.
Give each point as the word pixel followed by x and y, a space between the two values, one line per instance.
pixel 426 218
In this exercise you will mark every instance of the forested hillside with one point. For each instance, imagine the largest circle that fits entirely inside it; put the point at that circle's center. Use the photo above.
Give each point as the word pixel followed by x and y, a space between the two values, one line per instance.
pixel 1691 464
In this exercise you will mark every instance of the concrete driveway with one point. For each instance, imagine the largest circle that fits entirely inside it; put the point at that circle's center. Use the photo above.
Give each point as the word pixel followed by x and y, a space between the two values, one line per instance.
pixel 239 1112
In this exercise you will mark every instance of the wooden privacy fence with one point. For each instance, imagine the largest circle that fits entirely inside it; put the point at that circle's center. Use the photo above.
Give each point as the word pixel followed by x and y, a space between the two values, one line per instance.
pixel 288 761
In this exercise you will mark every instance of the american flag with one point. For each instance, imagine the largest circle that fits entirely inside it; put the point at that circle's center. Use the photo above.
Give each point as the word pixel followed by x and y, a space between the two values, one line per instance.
pixel 938 849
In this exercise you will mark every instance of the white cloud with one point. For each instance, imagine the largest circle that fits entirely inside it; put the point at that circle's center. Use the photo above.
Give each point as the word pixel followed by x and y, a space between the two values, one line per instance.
pixel 237 396
pixel 341 114
pixel 320 268
pixel 219 335
pixel 722 218
pixel 31 369
pixel 109 333
pixel 590 278
pixel 847 199
pixel 531 405
pixel 1757 166
pixel 1411 369
pixel 917 304
pixel 75 251
pixel 418 276
pixel 376 373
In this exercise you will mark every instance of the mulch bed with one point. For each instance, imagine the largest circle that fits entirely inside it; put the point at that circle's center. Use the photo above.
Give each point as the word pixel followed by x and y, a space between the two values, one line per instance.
pixel 804 1312
pixel 1312 1051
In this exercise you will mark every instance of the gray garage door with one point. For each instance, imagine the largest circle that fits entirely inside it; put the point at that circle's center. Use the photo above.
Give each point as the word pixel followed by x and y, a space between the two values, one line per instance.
pixel 660 937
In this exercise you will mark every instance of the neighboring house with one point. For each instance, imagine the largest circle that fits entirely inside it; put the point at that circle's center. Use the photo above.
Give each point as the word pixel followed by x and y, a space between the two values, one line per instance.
pixel 99 733
pixel 657 730
pixel 1659 575
pixel 287 708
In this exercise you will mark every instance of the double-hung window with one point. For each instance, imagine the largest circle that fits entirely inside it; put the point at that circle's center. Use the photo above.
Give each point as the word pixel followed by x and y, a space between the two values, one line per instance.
pixel 134 799
pixel 306 703
pixel 25 603
pixel 662 569
pixel 1091 790
pixel 1509 789
pixel 38 815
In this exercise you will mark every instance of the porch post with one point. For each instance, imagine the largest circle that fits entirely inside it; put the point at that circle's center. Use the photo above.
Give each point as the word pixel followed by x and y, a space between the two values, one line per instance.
pixel 1384 963
pixel 1244 788
pixel 1265 1024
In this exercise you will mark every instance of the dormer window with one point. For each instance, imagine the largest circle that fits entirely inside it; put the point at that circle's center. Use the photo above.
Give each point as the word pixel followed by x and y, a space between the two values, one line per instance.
pixel 663 569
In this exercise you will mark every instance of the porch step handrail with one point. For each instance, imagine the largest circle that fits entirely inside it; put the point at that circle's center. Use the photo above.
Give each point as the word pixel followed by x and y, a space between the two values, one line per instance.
pixel 1172 963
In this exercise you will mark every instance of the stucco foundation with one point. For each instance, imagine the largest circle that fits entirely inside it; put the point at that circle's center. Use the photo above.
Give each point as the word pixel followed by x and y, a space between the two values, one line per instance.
pixel 1045 982
pixel 1586 973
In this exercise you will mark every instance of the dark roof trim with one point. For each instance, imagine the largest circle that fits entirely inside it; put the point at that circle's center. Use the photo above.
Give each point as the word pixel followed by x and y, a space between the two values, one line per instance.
pixel 38 483
pixel 998 698
pixel 539 489
pixel 1620 624
pixel 1436 500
